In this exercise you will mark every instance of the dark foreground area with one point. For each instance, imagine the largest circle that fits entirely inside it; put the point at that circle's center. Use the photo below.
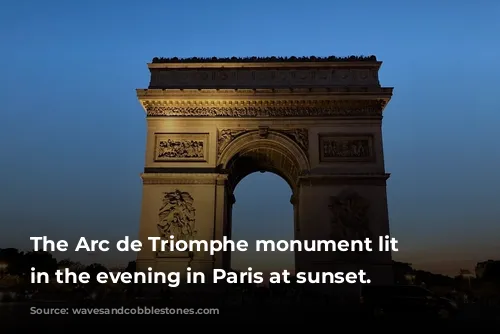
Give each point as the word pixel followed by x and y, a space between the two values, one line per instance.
pixel 229 313
pixel 395 308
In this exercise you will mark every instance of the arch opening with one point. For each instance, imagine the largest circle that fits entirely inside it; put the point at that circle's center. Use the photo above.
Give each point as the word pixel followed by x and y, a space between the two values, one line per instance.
pixel 273 152
pixel 262 211
pixel 265 198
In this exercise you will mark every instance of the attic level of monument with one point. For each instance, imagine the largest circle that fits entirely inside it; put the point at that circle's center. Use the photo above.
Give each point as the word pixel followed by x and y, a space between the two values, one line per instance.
pixel 271 72
pixel 265 87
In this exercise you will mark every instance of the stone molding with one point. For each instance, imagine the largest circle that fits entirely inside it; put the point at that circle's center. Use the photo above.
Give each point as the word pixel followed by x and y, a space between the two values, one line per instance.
pixel 265 108
pixel 183 178
pixel 377 179
pixel 307 93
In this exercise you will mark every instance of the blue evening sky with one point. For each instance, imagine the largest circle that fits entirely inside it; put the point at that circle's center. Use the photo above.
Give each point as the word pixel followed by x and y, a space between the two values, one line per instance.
pixel 72 134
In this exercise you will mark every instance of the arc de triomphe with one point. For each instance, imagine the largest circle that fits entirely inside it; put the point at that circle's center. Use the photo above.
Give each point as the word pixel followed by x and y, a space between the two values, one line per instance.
pixel 316 122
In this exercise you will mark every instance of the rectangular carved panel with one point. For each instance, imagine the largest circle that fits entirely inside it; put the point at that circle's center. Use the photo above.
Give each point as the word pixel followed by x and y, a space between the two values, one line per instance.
pixel 346 148
pixel 181 147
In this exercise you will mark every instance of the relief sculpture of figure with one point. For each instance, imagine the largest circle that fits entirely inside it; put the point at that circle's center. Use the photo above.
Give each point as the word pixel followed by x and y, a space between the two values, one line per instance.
pixel 301 137
pixel 358 149
pixel 350 217
pixel 226 136
pixel 177 216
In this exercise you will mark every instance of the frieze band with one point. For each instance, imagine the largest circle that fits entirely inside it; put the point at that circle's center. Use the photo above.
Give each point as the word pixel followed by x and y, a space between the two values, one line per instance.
pixel 252 109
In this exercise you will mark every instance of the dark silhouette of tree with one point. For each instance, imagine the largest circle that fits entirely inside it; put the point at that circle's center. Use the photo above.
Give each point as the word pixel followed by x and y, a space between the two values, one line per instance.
pixel 432 280
pixel 131 267
pixel 74 266
pixel 14 260
pixel 492 271
pixel 66 263
pixel 41 261
pixel 401 270
pixel 96 268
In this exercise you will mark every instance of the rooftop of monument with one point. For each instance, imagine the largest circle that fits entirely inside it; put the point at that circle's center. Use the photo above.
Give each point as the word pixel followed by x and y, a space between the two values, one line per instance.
pixel 312 59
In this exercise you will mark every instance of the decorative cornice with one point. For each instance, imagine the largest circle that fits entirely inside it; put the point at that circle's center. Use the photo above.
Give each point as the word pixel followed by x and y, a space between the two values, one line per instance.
pixel 264 108
pixel 262 59
pixel 306 93
pixel 182 178
pixel 376 179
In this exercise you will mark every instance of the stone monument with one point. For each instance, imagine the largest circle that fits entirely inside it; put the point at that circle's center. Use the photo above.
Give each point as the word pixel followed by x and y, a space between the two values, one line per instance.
pixel 316 122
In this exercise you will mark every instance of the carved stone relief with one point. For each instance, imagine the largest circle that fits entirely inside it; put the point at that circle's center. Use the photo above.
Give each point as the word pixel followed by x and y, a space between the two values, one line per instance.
pixel 299 136
pixel 339 148
pixel 177 216
pixel 226 136
pixel 350 219
pixel 295 108
pixel 263 132
pixel 181 147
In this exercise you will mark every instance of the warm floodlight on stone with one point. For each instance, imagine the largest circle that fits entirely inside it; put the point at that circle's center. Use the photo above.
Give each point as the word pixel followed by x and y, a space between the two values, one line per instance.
pixel 314 121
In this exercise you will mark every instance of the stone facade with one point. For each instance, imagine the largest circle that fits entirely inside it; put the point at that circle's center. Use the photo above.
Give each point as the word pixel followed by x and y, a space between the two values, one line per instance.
pixel 317 123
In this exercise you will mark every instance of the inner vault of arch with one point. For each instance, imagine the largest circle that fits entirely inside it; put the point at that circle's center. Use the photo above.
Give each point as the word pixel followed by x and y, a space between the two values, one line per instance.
pixel 275 154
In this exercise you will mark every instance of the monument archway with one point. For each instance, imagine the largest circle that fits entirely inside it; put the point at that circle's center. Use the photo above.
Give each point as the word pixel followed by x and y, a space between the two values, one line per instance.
pixel 248 151
pixel 316 122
